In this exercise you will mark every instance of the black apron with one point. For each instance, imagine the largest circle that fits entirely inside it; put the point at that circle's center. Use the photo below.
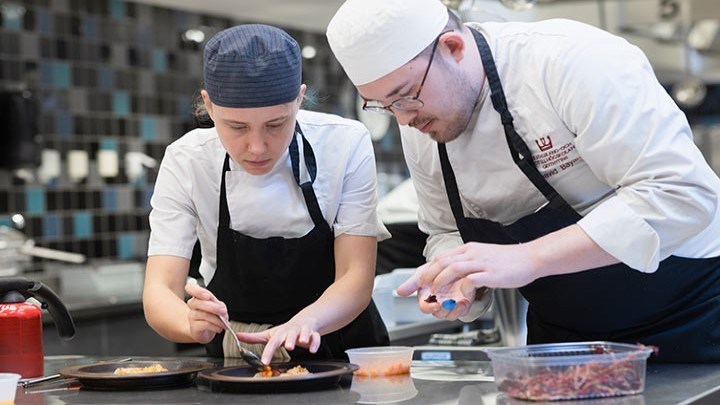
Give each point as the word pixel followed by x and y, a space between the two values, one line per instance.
pixel 270 280
pixel 676 308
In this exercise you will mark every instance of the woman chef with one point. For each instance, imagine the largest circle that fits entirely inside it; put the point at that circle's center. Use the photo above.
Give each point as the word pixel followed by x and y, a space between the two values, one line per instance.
pixel 283 203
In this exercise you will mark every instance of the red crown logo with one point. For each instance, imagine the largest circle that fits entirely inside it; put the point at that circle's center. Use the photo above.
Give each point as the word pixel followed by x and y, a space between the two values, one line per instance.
pixel 544 143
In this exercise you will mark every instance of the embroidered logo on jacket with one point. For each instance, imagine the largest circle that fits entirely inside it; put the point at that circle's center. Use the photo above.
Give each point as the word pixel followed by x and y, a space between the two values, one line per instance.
pixel 552 159
pixel 544 143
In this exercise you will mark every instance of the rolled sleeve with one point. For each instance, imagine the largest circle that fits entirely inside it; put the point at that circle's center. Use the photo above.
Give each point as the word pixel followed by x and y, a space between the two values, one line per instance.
pixel 627 236
pixel 173 219
pixel 357 211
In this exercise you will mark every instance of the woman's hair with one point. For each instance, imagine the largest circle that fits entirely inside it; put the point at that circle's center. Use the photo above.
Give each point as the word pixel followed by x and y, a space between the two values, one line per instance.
pixel 202 118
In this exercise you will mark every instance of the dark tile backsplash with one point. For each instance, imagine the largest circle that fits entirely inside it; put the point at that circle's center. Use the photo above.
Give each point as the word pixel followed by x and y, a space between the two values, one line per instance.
pixel 116 75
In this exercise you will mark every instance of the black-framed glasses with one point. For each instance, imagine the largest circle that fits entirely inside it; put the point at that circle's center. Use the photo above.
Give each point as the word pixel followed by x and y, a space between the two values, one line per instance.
pixel 407 103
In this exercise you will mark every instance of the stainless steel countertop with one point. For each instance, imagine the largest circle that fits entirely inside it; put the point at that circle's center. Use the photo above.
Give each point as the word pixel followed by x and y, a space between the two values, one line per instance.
pixel 665 384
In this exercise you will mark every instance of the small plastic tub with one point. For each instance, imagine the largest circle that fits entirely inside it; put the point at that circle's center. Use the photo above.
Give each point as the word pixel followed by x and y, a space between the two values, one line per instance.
pixel 562 371
pixel 8 387
pixel 384 390
pixel 381 361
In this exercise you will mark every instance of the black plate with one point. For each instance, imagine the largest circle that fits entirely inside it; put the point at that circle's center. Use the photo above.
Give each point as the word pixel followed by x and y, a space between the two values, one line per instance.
pixel 101 376
pixel 242 378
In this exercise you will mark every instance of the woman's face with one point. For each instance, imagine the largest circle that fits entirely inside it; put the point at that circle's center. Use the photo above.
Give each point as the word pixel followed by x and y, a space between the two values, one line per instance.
pixel 255 138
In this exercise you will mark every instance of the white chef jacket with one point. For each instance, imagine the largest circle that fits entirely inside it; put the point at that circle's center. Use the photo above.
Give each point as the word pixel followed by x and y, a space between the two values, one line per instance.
pixel 602 131
pixel 185 201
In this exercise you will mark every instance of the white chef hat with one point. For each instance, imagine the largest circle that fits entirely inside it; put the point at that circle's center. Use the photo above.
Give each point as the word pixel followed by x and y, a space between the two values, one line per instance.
pixel 371 38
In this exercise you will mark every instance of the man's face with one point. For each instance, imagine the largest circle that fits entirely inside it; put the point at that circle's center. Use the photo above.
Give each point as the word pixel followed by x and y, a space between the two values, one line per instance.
pixel 255 138
pixel 447 94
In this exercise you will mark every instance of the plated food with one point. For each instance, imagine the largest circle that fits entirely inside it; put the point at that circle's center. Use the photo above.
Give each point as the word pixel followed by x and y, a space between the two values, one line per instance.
pixel 153 368
pixel 320 375
pixel 269 372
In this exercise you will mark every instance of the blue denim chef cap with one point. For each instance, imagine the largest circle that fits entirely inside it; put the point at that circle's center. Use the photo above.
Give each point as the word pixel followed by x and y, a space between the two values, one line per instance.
pixel 252 65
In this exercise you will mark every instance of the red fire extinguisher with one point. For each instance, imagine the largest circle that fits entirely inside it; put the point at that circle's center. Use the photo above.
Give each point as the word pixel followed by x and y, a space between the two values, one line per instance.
pixel 21 344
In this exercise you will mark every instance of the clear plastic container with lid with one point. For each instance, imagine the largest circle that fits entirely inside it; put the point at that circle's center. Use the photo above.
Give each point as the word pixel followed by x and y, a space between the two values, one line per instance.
pixel 381 361
pixel 561 371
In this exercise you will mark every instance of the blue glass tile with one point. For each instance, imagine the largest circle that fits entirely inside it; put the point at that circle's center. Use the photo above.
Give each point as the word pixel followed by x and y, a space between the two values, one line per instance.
pixel 146 35
pixel 5 221
pixel 61 74
pixel 89 26
pixel 121 103
pixel 147 196
pixel 106 78
pixel 117 9
pixel 159 61
pixel 52 228
pixel 35 197
pixel 148 128
pixel 45 22
pixel 109 198
pixel 46 73
pixel 64 125
pixel 126 245
pixel 82 224
pixel 184 106
pixel 108 144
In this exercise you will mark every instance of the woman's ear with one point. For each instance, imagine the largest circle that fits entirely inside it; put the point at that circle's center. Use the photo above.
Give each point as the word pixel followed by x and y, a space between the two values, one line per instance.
pixel 301 94
pixel 208 104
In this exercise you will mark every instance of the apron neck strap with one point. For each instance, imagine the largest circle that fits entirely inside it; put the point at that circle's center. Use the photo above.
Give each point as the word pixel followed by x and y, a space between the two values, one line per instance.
pixel 307 189
pixel 518 148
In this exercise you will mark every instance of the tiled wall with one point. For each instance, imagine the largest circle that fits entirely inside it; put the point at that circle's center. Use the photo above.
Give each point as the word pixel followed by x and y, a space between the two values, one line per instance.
pixel 111 75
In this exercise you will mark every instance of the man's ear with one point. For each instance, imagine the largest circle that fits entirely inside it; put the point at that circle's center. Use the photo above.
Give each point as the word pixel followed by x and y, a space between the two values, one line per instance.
pixel 455 45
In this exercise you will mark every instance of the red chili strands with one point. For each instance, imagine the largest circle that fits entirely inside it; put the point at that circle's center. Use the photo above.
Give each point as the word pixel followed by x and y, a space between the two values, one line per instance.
pixel 589 380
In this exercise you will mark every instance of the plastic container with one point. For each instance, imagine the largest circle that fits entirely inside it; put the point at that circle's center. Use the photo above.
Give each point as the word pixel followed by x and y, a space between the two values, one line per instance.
pixel 384 390
pixel 8 388
pixel 381 361
pixel 570 370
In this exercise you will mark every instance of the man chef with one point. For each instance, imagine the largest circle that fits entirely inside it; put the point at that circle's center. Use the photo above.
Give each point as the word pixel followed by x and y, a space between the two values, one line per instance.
pixel 546 157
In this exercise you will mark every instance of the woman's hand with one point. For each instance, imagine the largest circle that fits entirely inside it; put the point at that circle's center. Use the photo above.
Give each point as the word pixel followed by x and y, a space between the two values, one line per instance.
pixel 204 311
pixel 290 334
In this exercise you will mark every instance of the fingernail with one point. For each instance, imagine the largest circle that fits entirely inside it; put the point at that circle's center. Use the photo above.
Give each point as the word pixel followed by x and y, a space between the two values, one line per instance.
pixel 448 305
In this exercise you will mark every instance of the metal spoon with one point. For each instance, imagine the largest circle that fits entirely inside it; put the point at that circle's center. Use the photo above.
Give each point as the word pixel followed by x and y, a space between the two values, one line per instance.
pixel 249 357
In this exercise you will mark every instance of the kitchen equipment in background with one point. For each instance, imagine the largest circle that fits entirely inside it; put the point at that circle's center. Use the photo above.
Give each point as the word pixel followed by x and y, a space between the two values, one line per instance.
pixel 78 165
pixel 19 143
pixel 510 313
pixel 108 164
pixel 393 308
pixel 135 164
pixel 50 165
pixel 21 344
pixel 16 249
pixel 106 280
